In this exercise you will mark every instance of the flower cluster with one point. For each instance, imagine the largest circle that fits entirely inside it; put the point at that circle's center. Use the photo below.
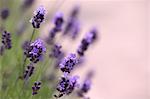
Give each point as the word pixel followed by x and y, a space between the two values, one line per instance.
pixel 66 85
pixel 36 87
pixel 6 40
pixel 89 38
pixel 35 51
pixel 38 17
pixel 68 63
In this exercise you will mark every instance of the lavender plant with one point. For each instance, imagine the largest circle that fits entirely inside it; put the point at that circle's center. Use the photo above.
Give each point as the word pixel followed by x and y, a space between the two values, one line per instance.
pixel 29 62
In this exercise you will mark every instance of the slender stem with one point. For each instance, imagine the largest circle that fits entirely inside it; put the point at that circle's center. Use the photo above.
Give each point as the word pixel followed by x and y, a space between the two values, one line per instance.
pixel 32 35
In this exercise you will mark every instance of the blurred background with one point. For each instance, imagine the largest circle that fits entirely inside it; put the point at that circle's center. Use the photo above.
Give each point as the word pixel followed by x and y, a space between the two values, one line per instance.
pixel 120 55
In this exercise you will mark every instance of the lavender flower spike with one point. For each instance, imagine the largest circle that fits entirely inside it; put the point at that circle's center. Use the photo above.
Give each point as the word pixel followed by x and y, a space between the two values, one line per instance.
pixel 58 21
pixel 36 87
pixel 86 41
pixel 68 63
pixel 6 40
pixel 38 17
pixel 4 13
pixel 56 52
pixel 36 50
pixel 28 72
pixel 66 85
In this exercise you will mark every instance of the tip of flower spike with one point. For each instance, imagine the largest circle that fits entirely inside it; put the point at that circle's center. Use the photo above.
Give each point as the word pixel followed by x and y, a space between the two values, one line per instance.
pixel 41 10
pixel 39 43
pixel 58 15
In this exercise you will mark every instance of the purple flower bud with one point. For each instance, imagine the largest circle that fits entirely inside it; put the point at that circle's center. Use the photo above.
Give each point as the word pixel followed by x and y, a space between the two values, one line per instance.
pixel 66 85
pixel 75 11
pixel 35 51
pixel 4 13
pixel 58 20
pixel 56 52
pixel 86 86
pixel 71 24
pixel 68 63
pixel 28 72
pixel 36 87
pixel 86 41
pixel 38 17
pixel 6 40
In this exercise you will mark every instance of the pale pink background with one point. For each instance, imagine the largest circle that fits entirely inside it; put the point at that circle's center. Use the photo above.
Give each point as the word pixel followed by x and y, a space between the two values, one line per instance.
pixel 120 57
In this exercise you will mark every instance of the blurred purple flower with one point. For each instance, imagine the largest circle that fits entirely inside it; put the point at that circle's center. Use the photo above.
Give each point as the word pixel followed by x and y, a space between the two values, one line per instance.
pixel 86 41
pixel 56 51
pixel 4 13
pixel 58 22
pixel 86 86
pixel 72 20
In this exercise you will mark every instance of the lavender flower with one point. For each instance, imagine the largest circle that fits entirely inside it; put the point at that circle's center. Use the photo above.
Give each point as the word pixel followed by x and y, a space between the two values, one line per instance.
pixel 75 30
pixel 74 13
pixel 36 87
pixel 66 85
pixel 28 72
pixel 68 63
pixel 35 51
pixel 38 17
pixel 4 13
pixel 58 21
pixel 56 52
pixel 6 40
pixel 71 24
pixel 85 87
pixel 89 38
